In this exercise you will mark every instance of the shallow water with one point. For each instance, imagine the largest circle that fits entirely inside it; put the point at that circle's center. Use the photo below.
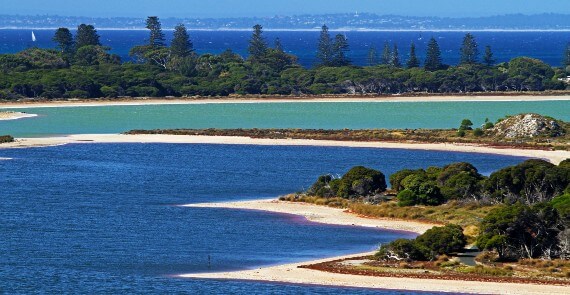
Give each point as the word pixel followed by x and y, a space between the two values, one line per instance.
pixel 99 218
pixel 353 115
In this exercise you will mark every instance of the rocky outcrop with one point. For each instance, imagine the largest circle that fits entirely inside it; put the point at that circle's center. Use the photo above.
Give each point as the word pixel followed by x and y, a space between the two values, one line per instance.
pixel 528 125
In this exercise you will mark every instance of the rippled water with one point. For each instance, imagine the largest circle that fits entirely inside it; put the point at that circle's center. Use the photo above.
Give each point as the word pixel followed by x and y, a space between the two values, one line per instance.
pixel 547 46
pixel 100 218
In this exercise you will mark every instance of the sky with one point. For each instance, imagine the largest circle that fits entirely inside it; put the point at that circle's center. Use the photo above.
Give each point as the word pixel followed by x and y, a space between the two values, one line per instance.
pixel 241 8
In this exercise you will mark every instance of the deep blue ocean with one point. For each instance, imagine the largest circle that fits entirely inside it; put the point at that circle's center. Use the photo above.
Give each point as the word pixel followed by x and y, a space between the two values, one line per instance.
pixel 101 218
pixel 547 46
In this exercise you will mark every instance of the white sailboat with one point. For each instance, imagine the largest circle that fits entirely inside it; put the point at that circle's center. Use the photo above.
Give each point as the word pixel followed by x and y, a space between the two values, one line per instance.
pixel 33 37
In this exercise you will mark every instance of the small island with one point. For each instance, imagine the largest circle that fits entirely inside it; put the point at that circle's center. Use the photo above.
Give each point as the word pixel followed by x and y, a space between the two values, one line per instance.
pixel 524 131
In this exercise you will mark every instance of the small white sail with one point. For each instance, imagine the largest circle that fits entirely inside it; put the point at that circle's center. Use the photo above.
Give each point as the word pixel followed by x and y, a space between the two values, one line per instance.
pixel 33 37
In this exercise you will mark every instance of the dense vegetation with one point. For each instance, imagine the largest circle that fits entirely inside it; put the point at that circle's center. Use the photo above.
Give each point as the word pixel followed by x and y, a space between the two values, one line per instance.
pixel 81 67
pixel 6 138
pixel 529 215
pixel 434 242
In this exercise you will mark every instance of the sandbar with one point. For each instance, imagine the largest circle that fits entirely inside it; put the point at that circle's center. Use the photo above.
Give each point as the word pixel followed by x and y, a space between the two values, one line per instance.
pixel 553 156
pixel 4 116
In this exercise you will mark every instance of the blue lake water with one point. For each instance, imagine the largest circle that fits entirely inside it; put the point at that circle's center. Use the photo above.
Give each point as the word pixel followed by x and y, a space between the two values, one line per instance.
pixel 99 218
pixel 353 115
pixel 547 46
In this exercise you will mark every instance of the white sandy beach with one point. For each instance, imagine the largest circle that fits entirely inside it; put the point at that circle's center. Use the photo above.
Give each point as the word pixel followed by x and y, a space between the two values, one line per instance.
pixel 320 214
pixel 4 116
pixel 225 100
pixel 290 273
pixel 552 156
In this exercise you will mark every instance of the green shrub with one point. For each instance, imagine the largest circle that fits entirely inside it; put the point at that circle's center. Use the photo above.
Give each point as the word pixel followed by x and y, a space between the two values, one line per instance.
pixel 478 132
pixel 6 138
pixel 443 240
pixel 406 198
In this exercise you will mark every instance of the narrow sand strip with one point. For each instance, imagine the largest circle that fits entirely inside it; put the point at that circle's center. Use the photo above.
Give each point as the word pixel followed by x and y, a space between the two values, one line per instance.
pixel 320 214
pixel 4 116
pixel 178 101
pixel 290 273
pixel 552 156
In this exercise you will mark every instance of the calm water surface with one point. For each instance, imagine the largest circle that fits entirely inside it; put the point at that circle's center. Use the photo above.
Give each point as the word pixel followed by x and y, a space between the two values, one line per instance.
pixel 100 218
pixel 353 115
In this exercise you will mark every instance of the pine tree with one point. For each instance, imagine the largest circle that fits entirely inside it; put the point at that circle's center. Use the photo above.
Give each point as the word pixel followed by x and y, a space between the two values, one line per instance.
pixel 86 35
pixel 156 38
pixel 413 62
pixel 64 40
pixel 372 56
pixel 488 58
pixel 340 50
pixel 433 56
pixel 181 45
pixel 469 50
pixel 566 60
pixel 386 58
pixel 278 46
pixel 396 57
pixel 325 47
pixel 257 45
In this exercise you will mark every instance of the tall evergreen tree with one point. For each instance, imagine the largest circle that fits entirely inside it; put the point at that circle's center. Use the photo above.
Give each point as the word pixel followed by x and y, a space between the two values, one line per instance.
pixel 257 45
pixel 433 56
pixel 469 50
pixel 64 40
pixel 413 62
pixel 156 38
pixel 566 60
pixel 325 47
pixel 181 44
pixel 372 58
pixel 340 50
pixel 396 57
pixel 86 35
pixel 277 45
pixel 386 58
pixel 488 59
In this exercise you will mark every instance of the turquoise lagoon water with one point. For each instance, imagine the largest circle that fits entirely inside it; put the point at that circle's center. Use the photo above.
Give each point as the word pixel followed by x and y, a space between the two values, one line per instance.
pixel 100 218
pixel 353 115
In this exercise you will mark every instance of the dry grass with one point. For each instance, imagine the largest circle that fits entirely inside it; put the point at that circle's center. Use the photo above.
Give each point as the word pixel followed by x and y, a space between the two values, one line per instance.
pixel 370 135
pixel 466 215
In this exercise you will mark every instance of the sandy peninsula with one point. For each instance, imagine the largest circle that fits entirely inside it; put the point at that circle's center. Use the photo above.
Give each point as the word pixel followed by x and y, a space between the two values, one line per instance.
pixel 552 156
pixel 317 99
pixel 291 273
pixel 320 214
pixel 4 116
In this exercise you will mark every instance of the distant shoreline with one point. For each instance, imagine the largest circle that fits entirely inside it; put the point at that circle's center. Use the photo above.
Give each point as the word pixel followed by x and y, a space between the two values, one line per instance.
pixel 314 30
pixel 274 99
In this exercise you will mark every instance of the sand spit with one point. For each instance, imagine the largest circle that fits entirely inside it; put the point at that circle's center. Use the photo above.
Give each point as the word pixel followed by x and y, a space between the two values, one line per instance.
pixel 553 156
